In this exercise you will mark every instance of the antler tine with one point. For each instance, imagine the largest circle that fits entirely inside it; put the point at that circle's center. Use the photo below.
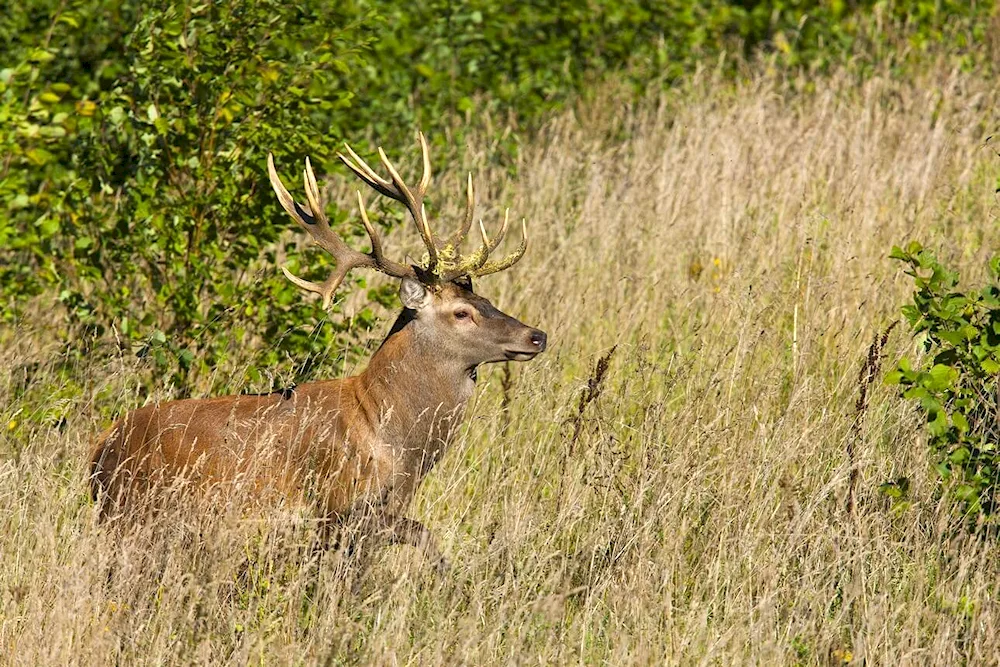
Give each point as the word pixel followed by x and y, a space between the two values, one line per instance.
pixel 455 241
pixel 486 237
pixel 316 224
pixel 415 203
pixel 508 261
pixel 484 251
pixel 489 245
pixel 299 214
pixel 312 195
pixel 319 229
pixel 382 263
pixel 425 177
pixel 327 288
pixel 368 175
pixel 503 230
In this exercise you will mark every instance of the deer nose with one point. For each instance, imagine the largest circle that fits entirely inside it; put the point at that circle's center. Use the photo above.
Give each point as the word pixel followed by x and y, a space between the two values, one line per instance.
pixel 538 339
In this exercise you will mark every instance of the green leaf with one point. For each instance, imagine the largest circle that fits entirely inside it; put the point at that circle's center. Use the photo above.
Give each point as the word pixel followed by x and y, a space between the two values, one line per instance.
pixel 941 377
pixel 914 248
pixel 960 456
pixel 896 489
pixel 39 156
pixel 937 423
pixel 966 493
pixel 953 337
pixel 40 56
pixel 52 132
pixel 48 226
pixel 185 357
pixel 960 422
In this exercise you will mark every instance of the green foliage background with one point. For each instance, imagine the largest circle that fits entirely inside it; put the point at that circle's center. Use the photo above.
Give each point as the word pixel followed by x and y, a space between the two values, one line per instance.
pixel 133 136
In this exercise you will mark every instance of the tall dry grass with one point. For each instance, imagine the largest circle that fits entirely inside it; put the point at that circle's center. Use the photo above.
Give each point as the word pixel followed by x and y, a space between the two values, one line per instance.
pixel 731 242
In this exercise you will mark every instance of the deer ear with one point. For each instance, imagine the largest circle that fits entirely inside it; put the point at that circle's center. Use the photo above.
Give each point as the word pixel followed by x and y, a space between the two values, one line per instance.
pixel 413 294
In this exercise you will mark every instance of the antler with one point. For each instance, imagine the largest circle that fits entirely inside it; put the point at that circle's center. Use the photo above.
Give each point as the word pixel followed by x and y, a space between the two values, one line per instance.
pixel 398 190
pixel 313 219
pixel 444 263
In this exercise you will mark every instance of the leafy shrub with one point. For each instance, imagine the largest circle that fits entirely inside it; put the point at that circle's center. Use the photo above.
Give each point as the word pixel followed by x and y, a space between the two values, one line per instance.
pixel 956 386
pixel 165 206
pixel 57 60
pixel 211 88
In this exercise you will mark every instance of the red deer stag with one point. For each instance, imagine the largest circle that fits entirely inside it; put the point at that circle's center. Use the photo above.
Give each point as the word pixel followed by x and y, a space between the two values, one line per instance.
pixel 359 446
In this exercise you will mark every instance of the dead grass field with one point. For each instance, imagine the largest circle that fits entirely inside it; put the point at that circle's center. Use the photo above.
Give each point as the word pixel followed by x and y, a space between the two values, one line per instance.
pixel 732 243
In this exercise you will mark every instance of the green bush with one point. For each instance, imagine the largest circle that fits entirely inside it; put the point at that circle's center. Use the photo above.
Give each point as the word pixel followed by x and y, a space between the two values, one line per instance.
pixel 57 62
pixel 152 216
pixel 211 88
pixel 956 386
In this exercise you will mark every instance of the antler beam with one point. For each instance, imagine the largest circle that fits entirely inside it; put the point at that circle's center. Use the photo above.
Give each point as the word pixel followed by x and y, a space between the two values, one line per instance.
pixel 313 219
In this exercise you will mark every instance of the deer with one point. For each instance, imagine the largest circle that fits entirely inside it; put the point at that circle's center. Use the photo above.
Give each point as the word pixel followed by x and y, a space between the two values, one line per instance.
pixel 350 447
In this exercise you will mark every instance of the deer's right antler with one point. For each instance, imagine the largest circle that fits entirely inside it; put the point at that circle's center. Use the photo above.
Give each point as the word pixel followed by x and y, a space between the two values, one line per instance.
pixel 444 262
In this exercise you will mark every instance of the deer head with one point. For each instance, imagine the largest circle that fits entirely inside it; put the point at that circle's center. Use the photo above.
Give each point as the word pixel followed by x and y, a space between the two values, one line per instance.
pixel 437 293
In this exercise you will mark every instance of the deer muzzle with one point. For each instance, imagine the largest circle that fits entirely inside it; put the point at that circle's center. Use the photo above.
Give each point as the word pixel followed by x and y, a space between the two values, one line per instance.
pixel 534 343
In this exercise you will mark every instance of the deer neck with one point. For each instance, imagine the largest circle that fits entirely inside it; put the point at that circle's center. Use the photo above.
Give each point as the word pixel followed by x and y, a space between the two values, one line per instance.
pixel 417 395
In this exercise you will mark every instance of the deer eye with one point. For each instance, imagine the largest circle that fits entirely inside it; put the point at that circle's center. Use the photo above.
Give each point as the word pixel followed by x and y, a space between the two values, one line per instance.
pixel 461 314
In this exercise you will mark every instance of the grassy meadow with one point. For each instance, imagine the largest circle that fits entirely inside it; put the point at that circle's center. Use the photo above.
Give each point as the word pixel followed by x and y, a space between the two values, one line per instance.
pixel 724 247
